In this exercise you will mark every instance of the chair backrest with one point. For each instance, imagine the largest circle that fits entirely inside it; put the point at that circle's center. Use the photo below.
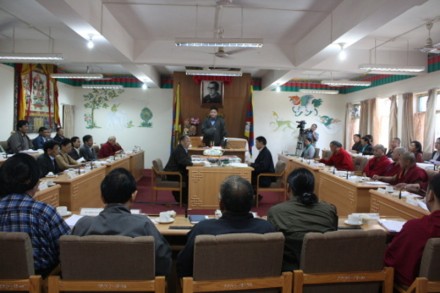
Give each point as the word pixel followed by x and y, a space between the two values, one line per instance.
pixel 240 255
pixel 157 164
pixel 430 264
pixel 431 173
pixel 107 257
pixel 280 167
pixel 236 143
pixel 336 252
pixel 360 163
pixel 326 154
pixel 16 255
pixel 196 141
pixel 316 155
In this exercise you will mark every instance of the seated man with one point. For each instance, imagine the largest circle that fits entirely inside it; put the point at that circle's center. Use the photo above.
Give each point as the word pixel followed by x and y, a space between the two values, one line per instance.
pixel 411 177
pixel 367 148
pixel 236 196
pixel 110 148
pixel 178 161
pixel 19 140
pixel 43 136
pixel 340 158
pixel 63 159
pixel 86 150
pixel 378 164
pixel 395 143
pixel 59 136
pixel 405 251
pixel 20 212
pixel 435 159
pixel 76 143
pixel 118 191
pixel 262 164
pixel 394 167
pixel 47 161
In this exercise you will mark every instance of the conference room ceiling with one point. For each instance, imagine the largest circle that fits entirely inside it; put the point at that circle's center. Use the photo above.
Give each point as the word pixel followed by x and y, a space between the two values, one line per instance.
pixel 300 37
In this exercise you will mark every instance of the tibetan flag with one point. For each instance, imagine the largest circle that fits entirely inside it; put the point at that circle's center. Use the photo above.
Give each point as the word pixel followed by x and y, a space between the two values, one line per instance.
pixel 249 121
pixel 177 125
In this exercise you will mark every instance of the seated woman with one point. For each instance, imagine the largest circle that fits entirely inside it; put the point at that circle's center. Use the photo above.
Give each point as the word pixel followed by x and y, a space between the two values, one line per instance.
pixel 416 148
pixel 357 146
pixel 64 160
pixel 301 214
pixel 367 148
pixel 309 150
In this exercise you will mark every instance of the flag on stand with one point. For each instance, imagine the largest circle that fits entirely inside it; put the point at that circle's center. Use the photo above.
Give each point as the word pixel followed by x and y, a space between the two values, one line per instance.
pixel 177 119
pixel 249 121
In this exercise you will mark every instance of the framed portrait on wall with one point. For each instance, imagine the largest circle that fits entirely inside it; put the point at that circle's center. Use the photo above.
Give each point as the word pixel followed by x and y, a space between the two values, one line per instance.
pixel 211 92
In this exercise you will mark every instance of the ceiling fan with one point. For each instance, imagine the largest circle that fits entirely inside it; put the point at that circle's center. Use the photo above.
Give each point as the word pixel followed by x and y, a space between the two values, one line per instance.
pixel 429 46
pixel 221 53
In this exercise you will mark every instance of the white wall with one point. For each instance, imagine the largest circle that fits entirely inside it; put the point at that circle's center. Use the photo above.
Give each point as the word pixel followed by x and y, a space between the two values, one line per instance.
pixel 6 101
pixel 283 135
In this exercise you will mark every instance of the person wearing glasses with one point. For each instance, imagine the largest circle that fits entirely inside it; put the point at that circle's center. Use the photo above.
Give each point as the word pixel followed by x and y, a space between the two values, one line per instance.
pixel 213 95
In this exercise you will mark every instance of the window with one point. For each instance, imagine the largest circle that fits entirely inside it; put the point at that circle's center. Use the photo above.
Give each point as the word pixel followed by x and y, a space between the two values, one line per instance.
pixel 421 102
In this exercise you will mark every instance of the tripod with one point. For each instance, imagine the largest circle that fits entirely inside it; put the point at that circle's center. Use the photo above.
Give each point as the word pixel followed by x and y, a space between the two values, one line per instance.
pixel 299 145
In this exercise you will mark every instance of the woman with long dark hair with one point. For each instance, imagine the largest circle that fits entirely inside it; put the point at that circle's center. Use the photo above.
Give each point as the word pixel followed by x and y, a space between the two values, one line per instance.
pixel 416 148
pixel 301 214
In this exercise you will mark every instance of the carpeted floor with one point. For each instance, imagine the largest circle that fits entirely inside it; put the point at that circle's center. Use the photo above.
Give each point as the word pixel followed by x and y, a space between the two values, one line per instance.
pixel 165 201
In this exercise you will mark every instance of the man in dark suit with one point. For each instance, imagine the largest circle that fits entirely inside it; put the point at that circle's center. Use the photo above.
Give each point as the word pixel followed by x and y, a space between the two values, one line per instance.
pixel 46 161
pixel 76 143
pixel 86 150
pixel 42 138
pixel 178 161
pixel 213 128
pixel 436 154
pixel 263 163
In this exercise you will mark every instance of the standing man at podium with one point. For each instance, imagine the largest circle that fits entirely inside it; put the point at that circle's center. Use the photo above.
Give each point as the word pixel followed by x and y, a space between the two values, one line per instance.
pixel 213 128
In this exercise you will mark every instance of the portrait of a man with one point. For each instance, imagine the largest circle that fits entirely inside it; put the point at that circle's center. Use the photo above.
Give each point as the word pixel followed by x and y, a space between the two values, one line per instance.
pixel 212 92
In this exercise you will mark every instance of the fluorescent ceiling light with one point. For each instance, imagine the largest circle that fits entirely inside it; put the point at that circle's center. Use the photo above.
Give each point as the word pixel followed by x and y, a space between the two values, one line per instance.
pixel 30 57
pixel 77 75
pixel 391 69
pixel 223 42
pixel 344 82
pixel 103 86
pixel 317 91
pixel 213 72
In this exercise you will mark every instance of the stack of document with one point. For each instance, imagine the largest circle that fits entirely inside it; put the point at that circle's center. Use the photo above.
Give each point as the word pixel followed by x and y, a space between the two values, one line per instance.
pixel 392 225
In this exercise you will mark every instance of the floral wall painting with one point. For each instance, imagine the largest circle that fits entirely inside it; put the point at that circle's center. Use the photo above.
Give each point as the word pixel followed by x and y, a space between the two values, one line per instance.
pixel 305 105
pixel 95 100
pixel 146 116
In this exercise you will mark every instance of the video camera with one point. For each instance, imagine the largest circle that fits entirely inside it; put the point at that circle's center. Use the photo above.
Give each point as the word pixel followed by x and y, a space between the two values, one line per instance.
pixel 301 125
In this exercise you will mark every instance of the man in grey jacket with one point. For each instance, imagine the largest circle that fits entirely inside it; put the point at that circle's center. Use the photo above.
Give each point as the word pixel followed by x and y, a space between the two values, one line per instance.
pixel 19 140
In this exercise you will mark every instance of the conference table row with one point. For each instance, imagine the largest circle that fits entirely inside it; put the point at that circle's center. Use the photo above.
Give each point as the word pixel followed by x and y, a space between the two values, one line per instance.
pixel 76 189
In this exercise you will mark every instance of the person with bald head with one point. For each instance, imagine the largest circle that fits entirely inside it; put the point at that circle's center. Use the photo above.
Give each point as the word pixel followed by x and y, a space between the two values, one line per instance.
pixel 236 199
pixel 394 167
pixel 110 148
pixel 378 164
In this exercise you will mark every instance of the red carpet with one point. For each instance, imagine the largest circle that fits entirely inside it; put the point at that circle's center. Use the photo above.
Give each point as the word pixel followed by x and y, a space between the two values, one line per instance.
pixel 165 201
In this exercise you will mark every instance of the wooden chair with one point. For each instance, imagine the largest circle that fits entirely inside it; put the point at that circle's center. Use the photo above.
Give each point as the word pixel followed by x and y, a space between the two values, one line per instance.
pixel 316 155
pixel 278 186
pixel 359 163
pixel 339 261
pixel 159 180
pixel 429 273
pixel 326 154
pixel 241 261
pixel 102 263
pixel 17 263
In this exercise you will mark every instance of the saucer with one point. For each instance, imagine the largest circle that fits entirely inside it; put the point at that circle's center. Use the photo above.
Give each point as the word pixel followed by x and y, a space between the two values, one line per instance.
pixel 66 214
pixel 353 224
pixel 164 222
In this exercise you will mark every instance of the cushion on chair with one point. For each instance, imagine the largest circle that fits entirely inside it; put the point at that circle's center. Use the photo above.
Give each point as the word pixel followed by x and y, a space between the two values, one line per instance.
pixel 157 164
pixel 234 256
pixel 343 251
pixel 430 264
pixel 16 255
pixel 279 168
pixel 107 257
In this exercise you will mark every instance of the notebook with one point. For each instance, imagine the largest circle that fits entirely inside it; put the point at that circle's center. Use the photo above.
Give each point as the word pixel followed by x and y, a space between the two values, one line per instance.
pixel 392 225
pixel 194 219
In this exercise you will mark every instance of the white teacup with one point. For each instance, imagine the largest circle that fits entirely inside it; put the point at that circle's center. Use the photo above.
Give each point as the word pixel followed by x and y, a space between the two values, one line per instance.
pixel 218 214
pixel 172 213
pixel 164 217
pixel 62 210
pixel 389 189
pixel 354 219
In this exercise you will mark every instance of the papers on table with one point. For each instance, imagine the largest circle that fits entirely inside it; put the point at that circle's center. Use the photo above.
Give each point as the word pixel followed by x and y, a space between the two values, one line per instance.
pixel 80 160
pixel 392 225
pixel 239 165
pixel 71 221
pixel 375 183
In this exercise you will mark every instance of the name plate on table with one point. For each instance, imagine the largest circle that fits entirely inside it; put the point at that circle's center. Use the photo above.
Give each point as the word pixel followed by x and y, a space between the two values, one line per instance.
pixel 95 211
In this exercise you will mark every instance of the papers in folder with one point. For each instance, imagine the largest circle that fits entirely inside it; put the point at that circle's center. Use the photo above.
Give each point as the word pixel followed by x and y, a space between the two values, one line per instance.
pixel 392 225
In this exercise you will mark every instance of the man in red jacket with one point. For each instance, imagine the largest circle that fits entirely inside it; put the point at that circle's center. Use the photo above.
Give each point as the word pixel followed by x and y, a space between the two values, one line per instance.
pixel 340 158
pixel 377 165
pixel 110 148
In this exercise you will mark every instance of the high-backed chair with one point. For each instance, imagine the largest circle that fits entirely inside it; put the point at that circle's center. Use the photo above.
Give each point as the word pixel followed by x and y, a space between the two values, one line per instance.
pixel 17 263
pixel 343 258
pixel 102 263
pixel 359 164
pixel 326 154
pixel 316 155
pixel 159 180
pixel 429 273
pixel 279 185
pixel 238 261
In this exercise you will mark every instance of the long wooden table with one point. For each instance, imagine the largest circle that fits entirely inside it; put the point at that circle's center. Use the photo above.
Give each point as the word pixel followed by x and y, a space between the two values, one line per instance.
pixel 390 206
pixel 348 196
pixel 117 163
pixel 82 191
pixel 241 153
pixel 293 163
pixel 137 164
pixel 204 184
pixel 50 195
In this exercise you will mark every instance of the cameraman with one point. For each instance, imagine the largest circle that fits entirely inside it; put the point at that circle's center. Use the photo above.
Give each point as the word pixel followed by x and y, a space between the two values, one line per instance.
pixel 311 134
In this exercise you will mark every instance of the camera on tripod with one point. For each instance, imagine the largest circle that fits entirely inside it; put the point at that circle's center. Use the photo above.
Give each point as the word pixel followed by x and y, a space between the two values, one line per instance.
pixel 301 125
